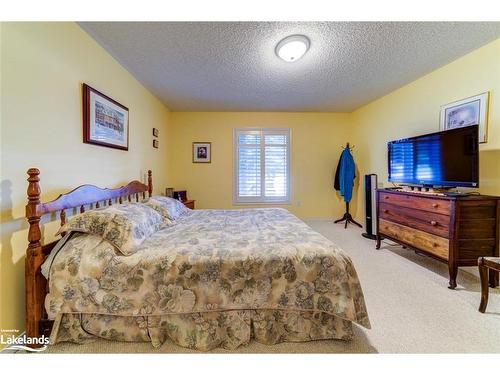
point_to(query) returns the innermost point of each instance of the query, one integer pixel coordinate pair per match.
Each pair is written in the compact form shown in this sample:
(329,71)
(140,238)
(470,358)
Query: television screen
(447,158)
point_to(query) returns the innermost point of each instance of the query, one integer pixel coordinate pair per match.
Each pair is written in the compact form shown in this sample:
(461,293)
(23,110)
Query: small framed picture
(202,152)
(105,121)
(156,143)
(180,195)
(466,112)
(155,132)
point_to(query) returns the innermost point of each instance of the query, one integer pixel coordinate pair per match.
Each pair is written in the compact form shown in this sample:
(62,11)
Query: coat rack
(347,216)
(347,146)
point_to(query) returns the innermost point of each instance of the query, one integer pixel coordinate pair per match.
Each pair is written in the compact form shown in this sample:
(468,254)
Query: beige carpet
(410,307)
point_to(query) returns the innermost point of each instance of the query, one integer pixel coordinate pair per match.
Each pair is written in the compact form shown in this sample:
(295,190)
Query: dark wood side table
(492,266)
(189,203)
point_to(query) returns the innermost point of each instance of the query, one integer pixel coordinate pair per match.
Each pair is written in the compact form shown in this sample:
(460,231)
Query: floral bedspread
(208,261)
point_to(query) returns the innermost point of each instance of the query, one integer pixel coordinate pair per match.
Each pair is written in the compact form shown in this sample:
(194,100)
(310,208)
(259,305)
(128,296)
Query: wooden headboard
(81,198)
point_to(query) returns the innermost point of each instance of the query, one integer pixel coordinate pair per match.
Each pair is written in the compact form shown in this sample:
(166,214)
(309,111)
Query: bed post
(150,183)
(35,285)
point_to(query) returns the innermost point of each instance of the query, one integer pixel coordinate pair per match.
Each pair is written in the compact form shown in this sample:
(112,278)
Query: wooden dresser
(453,229)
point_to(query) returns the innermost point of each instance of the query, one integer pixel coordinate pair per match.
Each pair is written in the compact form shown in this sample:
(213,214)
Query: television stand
(439,190)
(429,190)
(453,229)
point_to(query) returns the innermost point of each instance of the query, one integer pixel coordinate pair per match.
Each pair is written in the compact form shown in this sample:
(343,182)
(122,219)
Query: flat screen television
(446,159)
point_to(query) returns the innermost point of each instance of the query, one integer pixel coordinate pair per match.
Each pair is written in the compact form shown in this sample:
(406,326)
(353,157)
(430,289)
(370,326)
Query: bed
(210,278)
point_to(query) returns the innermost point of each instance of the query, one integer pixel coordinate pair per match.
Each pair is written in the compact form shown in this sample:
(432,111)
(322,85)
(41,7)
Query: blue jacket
(346,174)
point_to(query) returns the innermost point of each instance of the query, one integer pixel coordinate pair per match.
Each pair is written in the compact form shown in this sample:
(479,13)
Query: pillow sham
(125,226)
(169,208)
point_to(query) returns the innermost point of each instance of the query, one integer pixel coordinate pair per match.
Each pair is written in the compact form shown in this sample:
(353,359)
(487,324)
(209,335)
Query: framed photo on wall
(202,152)
(466,112)
(105,121)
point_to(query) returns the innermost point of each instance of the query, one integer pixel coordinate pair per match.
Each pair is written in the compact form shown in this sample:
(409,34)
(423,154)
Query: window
(262,165)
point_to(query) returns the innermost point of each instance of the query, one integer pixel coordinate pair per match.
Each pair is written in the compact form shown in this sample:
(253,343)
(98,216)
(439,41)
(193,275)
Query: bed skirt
(204,331)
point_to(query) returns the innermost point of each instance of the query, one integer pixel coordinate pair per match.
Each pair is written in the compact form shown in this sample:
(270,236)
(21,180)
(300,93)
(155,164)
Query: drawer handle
(435,205)
(435,244)
(386,211)
(434,223)
(386,197)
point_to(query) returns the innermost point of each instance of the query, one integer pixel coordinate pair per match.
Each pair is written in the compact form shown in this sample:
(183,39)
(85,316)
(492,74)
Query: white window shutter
(262,165)
(249,172)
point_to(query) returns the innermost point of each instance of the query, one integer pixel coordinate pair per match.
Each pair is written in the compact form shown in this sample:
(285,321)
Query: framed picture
(180,195)
(202,152)
(169,192)
(466,112)
(105,121)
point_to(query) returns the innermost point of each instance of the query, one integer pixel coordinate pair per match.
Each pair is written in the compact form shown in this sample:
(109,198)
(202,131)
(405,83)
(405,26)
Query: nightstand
(189,203)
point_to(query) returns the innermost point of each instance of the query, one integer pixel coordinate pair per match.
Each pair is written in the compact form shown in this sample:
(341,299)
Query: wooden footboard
(81,198)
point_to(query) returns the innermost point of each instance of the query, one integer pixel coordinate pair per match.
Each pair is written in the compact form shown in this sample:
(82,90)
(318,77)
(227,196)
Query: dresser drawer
(431,243)
(440,206)
(430,222)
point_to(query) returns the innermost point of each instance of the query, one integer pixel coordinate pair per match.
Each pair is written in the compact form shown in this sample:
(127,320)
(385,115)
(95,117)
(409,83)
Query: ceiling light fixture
(293,47)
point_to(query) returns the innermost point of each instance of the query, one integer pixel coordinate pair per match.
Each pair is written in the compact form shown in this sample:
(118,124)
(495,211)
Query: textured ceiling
(220,66)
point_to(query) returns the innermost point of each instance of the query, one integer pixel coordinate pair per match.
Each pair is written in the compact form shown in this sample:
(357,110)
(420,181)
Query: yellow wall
(44,64)
(414,109)
(42,68)
(316,138)
(316,146)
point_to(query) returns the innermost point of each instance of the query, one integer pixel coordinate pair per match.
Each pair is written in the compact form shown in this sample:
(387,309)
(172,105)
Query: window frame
(237,200)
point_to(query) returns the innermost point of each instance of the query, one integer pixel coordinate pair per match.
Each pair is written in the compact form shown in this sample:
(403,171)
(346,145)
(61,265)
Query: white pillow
(169,208)
(125,226)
